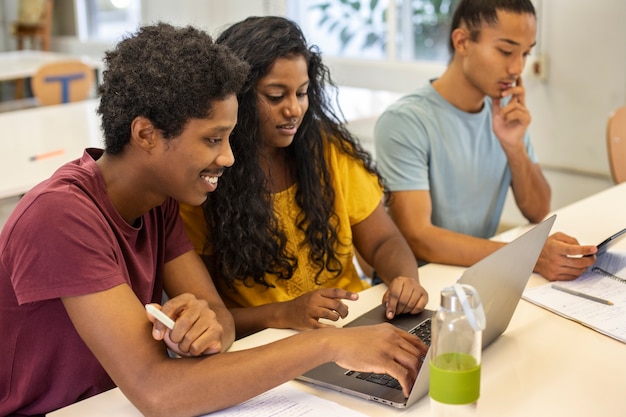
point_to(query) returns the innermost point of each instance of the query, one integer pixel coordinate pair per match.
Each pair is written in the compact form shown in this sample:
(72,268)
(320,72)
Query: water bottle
(456,353)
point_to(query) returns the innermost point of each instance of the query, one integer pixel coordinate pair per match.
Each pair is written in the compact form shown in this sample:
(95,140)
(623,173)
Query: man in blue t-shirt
(450,151)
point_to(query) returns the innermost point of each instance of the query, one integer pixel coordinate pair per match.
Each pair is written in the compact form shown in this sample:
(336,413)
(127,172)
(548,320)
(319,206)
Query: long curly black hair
(245,241)
(168,75)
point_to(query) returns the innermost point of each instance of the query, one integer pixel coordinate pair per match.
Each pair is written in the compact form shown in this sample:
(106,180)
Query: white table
(543,365)
(23,64)
(57,134)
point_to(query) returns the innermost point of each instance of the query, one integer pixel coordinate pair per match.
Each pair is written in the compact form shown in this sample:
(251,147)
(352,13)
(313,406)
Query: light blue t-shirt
(425,143)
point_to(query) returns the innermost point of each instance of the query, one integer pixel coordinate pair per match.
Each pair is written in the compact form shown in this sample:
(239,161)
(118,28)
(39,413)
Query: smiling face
(494,61)
(282,101)
(191,163)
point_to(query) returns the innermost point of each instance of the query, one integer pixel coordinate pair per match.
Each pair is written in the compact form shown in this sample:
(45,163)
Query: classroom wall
(8,9)
(586,49)
(210,15)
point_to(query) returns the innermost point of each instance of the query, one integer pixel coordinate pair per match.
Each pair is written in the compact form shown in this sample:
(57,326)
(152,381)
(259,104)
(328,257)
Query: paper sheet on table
(287,401)
(607,319)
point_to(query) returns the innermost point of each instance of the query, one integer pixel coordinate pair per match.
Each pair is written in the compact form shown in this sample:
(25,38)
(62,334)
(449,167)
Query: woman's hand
(404,295)
(304,312)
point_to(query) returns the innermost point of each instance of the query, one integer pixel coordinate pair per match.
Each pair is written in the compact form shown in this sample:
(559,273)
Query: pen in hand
(160,316)
(582,295)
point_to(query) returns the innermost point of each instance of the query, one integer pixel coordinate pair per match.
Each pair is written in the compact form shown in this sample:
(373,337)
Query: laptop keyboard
(422,331)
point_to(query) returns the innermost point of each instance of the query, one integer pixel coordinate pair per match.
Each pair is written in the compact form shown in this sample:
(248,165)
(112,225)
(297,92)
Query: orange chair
(616,144)
(62,82)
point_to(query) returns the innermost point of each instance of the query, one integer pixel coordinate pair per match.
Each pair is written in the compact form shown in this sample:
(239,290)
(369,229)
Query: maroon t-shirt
(65,238)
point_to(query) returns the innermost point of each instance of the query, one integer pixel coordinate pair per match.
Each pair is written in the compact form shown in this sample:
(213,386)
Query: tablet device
(606,243)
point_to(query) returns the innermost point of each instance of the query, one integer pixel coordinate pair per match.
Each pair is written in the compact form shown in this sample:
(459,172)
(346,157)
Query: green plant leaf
(370,40)
(345,37)
(322,6)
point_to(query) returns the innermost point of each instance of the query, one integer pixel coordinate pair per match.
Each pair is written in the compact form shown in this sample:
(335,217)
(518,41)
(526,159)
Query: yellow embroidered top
(357,194)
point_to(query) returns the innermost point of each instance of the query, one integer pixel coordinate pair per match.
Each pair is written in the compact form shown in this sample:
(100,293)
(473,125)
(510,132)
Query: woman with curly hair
(280,233)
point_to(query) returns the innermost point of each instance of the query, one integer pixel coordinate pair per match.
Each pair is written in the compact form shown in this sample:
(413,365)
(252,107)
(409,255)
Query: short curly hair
(168,75)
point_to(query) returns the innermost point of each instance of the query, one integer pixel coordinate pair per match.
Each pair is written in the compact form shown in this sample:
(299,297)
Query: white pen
(160,316)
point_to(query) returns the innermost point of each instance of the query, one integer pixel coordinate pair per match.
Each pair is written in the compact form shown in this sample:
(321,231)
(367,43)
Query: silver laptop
(500,279)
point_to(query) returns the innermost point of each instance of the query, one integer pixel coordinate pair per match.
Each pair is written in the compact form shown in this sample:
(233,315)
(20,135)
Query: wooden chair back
(63,82)
(616,144)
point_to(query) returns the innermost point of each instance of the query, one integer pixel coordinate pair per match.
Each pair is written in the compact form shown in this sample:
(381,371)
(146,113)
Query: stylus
(160,316)
(582,295)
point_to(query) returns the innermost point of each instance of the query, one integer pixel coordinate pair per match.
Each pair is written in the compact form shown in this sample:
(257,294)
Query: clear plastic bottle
(456,353)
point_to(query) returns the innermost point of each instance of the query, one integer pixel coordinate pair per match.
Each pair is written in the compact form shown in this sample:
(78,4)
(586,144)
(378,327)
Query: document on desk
(596,299)
(287,401)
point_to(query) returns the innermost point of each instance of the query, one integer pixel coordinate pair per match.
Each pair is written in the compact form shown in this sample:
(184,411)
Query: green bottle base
(454,378)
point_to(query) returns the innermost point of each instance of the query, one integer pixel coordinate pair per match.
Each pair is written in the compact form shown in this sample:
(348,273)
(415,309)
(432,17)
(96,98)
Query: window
(397,30)
(107,20)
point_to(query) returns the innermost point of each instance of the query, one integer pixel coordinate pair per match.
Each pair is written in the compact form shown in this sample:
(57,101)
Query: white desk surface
(543,365)
(24,63)
(69,128)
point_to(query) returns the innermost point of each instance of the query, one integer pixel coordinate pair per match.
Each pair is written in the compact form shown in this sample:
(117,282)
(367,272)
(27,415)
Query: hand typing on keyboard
(395,353)
(422,331)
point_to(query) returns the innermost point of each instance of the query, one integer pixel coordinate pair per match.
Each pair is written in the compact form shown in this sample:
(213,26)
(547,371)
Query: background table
(23,64)
(57,134)
(543,365)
